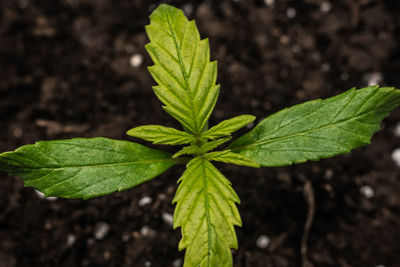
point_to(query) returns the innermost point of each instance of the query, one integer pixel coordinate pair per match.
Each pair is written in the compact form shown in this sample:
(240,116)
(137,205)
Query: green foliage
(318,129)
(202,149)
(205,201)
(226,127)
(186,78)
(84,167)
(228,156)
(206,212)
(161,135)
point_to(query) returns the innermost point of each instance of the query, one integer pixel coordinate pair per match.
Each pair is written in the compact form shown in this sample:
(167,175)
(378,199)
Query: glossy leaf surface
(84,168)
(186,78)
(206,212)
(318,129)
(228,156)
(226,127)
(161,135)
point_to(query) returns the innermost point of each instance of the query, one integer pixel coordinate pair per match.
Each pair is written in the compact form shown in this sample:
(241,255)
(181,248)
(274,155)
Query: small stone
(167,218)
(325,7)
(145,201)
(396,156)
(296,48)
(101,230)
(162,196)
(397,130)
(71,240)
(250,125)
(328,174)
(373,78)
(345,76)
(269,2)
(147,264)
(291,12)
(90,241)
(41,196)
(284,39)
(325,67)
(263,241)
(367,191)
(17,132)
(48,225)
(125,237)
(146,231)
(187,9)
(177,262)
(136,60)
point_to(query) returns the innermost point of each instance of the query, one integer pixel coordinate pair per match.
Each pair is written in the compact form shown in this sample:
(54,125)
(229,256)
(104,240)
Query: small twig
(308,194)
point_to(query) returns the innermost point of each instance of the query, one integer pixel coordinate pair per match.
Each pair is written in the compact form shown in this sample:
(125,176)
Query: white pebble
(167,218)
(177,262)
(263,241)
(147,264)
(101,230)
(325,7)
(188,9)
(71,240)
(397,130)
(41,196)
(291,12)
(373,78)
(325,67)
(147,231)
(269,2)
(145,201)
(136,60)
(125,237)
(162,196)
(396,156)
(380,265)
(345,76)
(250,125)
(17,132)
(367,191)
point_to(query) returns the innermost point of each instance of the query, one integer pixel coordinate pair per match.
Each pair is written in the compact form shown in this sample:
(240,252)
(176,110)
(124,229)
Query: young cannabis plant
(205,202)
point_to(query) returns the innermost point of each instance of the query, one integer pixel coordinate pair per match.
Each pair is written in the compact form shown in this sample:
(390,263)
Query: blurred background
(77,68)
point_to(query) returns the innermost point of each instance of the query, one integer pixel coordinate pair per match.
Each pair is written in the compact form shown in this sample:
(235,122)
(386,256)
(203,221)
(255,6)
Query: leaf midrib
(104,165)
(178,49)
(207,212)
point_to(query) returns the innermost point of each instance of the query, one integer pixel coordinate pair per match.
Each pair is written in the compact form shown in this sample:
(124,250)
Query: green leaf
(186,78)
(207,213)
(228,156)
(227,127)
(161,135)
(204,148)
(318,129)
(84,168)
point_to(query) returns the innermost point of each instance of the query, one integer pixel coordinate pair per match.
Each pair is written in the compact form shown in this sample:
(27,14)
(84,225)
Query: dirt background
(69,68)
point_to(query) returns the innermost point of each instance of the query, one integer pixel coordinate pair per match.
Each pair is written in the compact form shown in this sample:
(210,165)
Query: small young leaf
(318,129)
(84,167)
(227,127)
(204,148)
(161,135)
(207,213)
(227,156)
(186,78)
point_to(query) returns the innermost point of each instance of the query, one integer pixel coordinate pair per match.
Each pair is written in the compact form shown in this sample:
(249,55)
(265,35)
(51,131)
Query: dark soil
(65,72)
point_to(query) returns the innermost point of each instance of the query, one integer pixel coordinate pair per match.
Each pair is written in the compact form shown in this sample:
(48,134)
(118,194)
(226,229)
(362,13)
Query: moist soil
(71,68)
